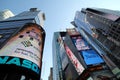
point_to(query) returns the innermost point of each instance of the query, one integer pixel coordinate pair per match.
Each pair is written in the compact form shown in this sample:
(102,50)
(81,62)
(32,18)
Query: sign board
(72,32)
(78,66)
(19,62)
(80,43)
(91,57)
(26,44)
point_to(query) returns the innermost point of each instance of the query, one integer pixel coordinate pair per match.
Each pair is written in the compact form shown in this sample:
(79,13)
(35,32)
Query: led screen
(91,57)
(80,43)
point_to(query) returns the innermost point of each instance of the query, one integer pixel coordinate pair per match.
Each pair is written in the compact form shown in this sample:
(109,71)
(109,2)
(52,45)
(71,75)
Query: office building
(21,46)
(75,58)
(57,66)
(96,26)
(51,74)
(104,25)
(5,14)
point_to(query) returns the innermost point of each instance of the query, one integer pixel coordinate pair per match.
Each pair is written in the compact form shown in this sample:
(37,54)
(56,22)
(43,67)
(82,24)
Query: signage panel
(20,62)
(72,32)
(80,43)
(91,57)
(78,66)
(26,44)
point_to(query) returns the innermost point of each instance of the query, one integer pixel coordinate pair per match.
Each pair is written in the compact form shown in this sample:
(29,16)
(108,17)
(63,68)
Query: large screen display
(80,43)
(26,44)
(91,57)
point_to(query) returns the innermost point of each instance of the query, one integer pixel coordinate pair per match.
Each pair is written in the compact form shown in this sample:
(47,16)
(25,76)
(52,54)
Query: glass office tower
(57,66)
(21,46)
(74,58)
(100,27)
(63,68)
(5,14)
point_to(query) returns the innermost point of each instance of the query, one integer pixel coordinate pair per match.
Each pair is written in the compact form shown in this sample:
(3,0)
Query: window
(1,36)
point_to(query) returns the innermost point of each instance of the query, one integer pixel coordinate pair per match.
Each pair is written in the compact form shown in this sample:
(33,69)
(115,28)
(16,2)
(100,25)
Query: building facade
(5,14)
(110,28)
(57,66)
(74,58)
(51,74)
(21,46)
(96,25)
(104,25)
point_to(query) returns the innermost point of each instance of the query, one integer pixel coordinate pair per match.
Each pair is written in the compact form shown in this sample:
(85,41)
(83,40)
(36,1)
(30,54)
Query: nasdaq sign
(19,62)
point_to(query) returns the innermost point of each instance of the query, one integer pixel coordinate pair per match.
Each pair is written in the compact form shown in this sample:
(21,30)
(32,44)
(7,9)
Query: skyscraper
(101,28)
(51,74)
(5,14)
(57,66)
(75,58)
(21,43)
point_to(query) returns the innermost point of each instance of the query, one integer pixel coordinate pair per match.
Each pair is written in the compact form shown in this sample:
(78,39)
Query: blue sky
(59,14)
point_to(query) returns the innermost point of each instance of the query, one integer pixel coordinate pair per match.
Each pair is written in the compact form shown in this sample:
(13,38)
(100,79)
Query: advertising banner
(72,31)
(80,43)
(91,57)
(26,44)
(78,66)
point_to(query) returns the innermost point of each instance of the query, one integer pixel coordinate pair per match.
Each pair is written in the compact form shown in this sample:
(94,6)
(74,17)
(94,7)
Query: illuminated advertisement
(80,43)
(72,31)
(78,66)
(91,57)
(27,44)
(20,62)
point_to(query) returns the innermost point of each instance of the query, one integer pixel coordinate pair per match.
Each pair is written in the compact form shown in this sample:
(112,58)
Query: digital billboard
(72,31)
(24,48)
(91,57)
(78,66)
(80,43)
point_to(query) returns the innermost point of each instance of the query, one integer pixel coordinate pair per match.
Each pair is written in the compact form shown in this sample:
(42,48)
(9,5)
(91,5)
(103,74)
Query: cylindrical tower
(21,56)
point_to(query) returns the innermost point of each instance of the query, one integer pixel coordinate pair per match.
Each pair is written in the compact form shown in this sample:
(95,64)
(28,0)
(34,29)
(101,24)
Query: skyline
(58,14)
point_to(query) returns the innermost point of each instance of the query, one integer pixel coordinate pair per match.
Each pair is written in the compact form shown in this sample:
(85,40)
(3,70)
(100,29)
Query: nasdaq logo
(19,62)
